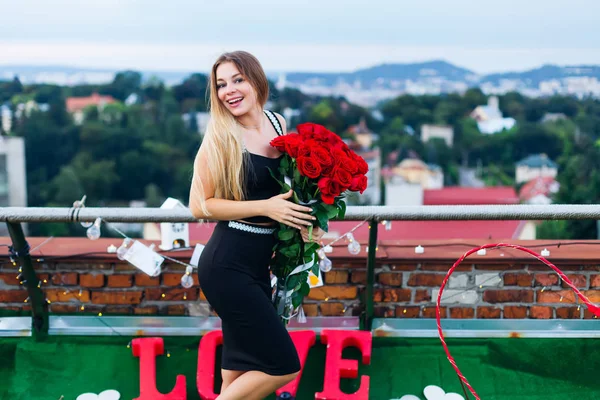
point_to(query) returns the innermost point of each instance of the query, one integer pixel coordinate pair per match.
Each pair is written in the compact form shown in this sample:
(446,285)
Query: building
(5,119)
(412,170)
(534,166)
(13,179)
(77,105)
(490,119)
(446,133)
(456,195)
(539,190)
(362,142)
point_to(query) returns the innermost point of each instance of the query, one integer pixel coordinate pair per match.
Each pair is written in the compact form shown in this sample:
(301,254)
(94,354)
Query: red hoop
(593,308)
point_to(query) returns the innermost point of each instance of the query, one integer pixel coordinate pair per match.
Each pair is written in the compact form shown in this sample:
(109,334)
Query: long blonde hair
(223,143)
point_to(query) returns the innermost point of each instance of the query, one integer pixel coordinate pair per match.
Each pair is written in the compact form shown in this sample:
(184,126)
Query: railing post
(39,306)
(370,274)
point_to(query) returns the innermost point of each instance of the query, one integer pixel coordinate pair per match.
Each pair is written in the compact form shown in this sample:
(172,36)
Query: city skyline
(333,36)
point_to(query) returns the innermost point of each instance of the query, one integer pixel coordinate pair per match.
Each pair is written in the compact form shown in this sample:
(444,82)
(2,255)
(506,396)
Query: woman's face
(234,90)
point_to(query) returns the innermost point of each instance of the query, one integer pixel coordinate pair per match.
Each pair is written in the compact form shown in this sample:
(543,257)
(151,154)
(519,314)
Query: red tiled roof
(79,103)
(407,230)
(456,195)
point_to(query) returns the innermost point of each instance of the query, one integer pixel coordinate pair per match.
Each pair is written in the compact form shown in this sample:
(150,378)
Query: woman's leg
(255,385)
(228,377)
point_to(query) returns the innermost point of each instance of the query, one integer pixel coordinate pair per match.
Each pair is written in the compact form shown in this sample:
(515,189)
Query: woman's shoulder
(280,119)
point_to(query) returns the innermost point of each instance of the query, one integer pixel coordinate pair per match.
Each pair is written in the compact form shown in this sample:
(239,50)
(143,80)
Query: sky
(300,35)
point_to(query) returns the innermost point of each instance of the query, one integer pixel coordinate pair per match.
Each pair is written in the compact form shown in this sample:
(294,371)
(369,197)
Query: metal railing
(14,216)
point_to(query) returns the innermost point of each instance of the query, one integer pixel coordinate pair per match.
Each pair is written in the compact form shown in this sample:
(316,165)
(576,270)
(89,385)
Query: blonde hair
(222,143)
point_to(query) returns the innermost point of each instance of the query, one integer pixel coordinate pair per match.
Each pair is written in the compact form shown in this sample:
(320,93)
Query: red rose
(307,147)
(322,156)
(359,184)
(342,177)
(279,143)
(311,130)
(308,167)
(329,187)
(351,166)
(327,199)
(363,167)
(292,144)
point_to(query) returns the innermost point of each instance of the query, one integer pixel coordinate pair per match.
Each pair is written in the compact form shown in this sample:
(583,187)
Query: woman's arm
(277,207)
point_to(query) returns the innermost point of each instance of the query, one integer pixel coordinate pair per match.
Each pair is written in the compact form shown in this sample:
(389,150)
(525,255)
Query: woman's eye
(238,80)
(220,85)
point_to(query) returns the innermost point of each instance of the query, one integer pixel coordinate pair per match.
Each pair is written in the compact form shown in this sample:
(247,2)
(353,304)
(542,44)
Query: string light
(122,250)
(481,252)
(419,249)
(545,253)
(186,280)
(325,263)
(93,232)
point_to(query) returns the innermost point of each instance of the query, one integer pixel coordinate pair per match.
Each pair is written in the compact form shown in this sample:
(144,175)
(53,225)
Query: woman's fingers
(298,207)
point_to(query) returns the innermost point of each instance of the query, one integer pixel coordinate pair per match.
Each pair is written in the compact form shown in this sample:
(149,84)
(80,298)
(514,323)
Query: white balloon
(87,396)
(433,392)
(109,395)
(453,396)
(409,397)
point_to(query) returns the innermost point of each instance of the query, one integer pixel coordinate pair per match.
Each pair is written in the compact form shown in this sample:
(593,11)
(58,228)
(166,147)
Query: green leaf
(332,211)
(342,207)
(297,177)
(285,234)
(322,219)
(315,269)
(304,289)
(285,163)
(293,281)
(297,299)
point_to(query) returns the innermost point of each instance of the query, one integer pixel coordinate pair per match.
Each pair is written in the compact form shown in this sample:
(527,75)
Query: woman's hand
(282,210)
(317,234)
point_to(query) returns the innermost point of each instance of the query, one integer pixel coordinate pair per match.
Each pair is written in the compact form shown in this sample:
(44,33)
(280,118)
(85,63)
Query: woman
(232,184)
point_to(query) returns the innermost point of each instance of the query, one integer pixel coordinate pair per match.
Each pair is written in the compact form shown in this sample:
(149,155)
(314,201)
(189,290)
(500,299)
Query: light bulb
(86,224)
(350,237)
(187,281)
(123,249)
(545,253)
(419,249)
(93,232)
(325,264)
(354,247)
(481,252)
(388,225)
(321,254)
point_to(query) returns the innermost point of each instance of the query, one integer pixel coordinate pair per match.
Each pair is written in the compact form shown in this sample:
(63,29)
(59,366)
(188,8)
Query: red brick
(10,278)
(546,279)
(556,296)
(383,312)
(446,267)
(310,310)
(587,314)
(146,280)
(92,266)
(333,292)
(148,310)
(171,294)
(120,297)
(390,278)
(592,295)
(407,312)
(25,308)
(488,312)
(568,313)
(176,309)
(499,267)
(120,281)
(595,281)
(508,296)
(563,267)
(523,280)
(403,267)
(91,280)
(461,312)
(418,279)
(65,279)
(13,296)
(540,312)
(391,295)
(174,279)
(63,308)
(329,309)
(580,281)
(591,268)
(336,276)
(515,312)
(422,295)
(125,268)
(122,310)
(429,312)
(64,295)
(359,277)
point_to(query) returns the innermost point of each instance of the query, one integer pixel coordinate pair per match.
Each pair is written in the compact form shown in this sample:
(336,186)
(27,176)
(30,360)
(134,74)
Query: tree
(124,84)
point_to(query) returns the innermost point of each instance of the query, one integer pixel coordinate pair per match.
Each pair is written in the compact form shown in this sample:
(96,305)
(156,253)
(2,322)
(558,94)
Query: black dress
(233,272)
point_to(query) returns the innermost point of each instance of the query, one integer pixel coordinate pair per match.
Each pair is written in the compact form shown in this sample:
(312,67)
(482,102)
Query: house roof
(456,195)
(542,185)
(79,103)
(537,161)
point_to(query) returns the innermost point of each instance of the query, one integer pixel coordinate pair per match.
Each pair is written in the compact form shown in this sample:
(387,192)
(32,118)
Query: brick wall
(406,286)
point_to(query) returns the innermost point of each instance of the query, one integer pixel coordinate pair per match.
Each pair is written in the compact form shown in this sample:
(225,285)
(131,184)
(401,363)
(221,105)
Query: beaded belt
(251,228)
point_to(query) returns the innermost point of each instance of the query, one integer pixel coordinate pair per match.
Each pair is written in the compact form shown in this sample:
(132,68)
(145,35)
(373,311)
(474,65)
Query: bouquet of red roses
(320,168)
